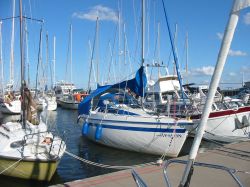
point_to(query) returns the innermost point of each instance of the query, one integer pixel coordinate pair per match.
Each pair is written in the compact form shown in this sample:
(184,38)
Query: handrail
(138,180)
(219,167)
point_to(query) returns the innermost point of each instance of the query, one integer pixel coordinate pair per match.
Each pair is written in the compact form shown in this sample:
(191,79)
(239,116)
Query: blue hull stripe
(168,130)
(143,123)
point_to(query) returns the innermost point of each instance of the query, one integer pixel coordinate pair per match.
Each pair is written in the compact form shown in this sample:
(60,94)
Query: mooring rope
(11,165)
(105,165)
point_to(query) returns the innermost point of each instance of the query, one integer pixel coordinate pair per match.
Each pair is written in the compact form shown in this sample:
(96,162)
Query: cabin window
(221,106)
(205,91)
(170,95)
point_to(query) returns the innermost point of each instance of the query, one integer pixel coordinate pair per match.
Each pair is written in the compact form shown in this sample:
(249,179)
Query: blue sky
(204,21)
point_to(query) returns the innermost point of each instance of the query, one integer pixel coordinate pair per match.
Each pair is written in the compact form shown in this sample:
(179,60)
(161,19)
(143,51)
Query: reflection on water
(71,169)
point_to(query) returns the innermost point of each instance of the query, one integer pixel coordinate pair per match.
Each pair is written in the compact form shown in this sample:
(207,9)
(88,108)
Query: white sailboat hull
(47,102)
(52,106)
(68,104)
(150,135)
(221,125)
(51,103)
(13,108)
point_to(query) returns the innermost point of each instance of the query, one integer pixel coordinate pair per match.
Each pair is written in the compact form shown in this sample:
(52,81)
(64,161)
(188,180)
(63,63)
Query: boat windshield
(117,99)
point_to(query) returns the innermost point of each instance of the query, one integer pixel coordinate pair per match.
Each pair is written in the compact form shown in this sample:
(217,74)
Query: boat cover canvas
(136,85)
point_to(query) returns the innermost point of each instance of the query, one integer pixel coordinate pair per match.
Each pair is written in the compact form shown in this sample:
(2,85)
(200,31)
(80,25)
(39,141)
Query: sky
(116,40)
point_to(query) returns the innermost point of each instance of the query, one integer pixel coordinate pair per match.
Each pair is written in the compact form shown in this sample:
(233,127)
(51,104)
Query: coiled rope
(105,165)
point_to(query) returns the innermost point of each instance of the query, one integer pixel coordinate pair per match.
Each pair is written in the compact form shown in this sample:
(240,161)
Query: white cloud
(102,12)
(236,53)
(246,18)
(219,35)
(206,70)
(232,74)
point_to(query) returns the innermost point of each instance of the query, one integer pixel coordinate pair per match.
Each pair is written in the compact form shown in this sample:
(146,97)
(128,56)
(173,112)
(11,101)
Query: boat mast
(70,53)
(158,49)
(174,51)
(92,56)
(54,62)
(39,60)
(47,62)
(27,52)
(221,59)
(119,37)
(143,34)
(97,53)
(22,66)
(187,57)
(124,44)
(1,58)
(12,45)
(175,43)
(143,42)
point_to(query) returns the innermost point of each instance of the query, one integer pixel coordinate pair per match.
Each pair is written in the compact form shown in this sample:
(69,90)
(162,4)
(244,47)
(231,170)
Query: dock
(235,156)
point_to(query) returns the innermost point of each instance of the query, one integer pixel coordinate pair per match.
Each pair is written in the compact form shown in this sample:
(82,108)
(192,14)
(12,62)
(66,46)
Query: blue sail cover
(136,85)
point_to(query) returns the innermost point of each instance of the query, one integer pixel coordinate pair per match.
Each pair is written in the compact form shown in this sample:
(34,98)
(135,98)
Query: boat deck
(236,156)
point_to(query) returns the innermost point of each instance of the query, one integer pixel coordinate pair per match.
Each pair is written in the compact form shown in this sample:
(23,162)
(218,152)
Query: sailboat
(27,149)
(46,98)
(229,121)
(113,117)
(10,102)
(71,97)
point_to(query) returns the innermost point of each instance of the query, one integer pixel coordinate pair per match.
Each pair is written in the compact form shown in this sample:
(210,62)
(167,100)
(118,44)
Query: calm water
(71,169)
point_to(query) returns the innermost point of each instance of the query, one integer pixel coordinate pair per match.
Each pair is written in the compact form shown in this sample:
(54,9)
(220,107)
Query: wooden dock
(235,156)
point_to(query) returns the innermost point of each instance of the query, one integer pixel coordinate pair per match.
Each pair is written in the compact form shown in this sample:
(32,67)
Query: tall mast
(54,62)
(187,57)
(119,36)
(70,53)
(158,48)
(27,52)
(47,61)
(39,60)
(92,55)
(173,46)
(143,32)
(221,60)
(22,65)
(12,45)
(1,58)
(124,44)
(97,53)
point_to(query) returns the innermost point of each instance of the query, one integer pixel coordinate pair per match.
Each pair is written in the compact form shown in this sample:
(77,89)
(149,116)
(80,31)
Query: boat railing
(140,183)
(63,139)
(138,180)
(51,132)
(230,171)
